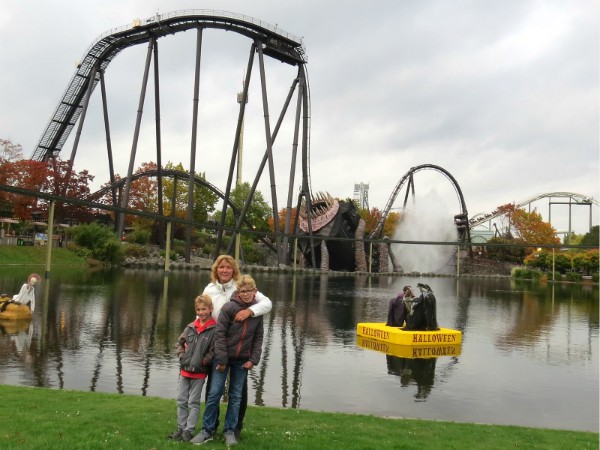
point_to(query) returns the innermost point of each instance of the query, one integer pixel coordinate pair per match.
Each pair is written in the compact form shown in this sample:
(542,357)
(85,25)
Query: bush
(135,251)
(557,276)
(522,273)
(99,241)
(595,277)
(253,256)
(172,255)
(573,276)
(92,235)
(79,251)
(110,251)
(209,250)
(536,275)
(140,236)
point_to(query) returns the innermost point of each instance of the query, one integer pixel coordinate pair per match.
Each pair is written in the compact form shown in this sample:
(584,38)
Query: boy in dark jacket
(195,349)
(238,347)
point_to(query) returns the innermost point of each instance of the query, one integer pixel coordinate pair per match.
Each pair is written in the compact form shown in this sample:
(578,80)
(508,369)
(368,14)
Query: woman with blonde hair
(223,275)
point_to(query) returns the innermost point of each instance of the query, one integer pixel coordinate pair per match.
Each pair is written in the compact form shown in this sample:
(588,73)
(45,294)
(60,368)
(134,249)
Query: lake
(529,354)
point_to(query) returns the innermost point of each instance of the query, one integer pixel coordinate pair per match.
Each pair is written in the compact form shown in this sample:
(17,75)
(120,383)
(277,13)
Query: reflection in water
(413,364)
(20,333)
(420,371)
(116,331)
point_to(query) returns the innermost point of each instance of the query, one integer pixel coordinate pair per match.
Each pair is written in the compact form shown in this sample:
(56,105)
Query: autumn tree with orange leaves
(63,180)
(373,217)
(528,227)
(281,221)
(19,172)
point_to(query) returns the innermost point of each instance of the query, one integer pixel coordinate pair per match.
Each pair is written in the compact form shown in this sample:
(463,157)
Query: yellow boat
(379,331)
(14,311)
(409,351)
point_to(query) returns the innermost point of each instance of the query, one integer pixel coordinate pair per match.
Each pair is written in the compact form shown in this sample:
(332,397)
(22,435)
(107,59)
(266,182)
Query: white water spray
(427,220)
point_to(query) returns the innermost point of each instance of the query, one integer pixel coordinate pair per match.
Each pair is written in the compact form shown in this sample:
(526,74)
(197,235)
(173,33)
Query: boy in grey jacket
(195,349)
(238,348)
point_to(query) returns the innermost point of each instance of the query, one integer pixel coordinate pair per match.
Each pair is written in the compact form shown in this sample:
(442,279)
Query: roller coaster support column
(288,212)
(159,186)
(190,209)
(50,239)
(457,261)
(262,165)
(111,169)
(136,135)
(269,140)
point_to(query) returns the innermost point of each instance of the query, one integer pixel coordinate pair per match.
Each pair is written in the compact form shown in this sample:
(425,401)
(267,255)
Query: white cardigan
(221,293)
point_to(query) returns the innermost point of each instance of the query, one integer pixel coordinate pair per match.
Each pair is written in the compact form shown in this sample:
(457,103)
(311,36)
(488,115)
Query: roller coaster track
(177,175)
(574,199)
(266,40)
(277,44)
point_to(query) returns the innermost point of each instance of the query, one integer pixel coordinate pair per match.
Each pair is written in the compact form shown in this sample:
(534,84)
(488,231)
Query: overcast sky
(503,95)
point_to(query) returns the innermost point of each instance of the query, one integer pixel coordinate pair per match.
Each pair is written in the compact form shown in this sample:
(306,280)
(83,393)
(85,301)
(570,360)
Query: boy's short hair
(203,299)
(245,281)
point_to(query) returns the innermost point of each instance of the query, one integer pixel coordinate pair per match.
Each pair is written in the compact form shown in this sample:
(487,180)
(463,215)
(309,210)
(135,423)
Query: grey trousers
(189,391)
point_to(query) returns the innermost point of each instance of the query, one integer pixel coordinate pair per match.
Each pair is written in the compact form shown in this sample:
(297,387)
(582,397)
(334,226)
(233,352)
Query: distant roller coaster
(460,219)
(574,199)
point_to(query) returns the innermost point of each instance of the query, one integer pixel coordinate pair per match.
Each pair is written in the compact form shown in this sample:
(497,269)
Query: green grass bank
(11,255)
(41,418)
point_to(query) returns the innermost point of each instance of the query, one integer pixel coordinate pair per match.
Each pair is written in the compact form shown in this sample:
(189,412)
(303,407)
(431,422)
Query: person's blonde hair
(205,300)
(245,281)
(232,262)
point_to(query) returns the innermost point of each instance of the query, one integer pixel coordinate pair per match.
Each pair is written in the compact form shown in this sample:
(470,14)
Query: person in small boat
(26,295)
(418,312)
(397,310)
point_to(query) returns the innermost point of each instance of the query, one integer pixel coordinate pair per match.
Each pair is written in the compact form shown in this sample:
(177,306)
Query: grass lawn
(11,255)
(40,418)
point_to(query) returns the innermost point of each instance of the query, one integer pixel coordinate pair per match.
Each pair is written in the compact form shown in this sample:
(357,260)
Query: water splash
(427,220)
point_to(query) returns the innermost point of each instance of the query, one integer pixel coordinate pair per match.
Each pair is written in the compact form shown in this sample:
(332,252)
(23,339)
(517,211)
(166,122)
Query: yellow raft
(409,351)
(394,335)
(14,311)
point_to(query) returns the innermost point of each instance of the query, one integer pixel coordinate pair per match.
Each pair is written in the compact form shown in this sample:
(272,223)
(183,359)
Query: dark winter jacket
(238,340)
(198,354)
(396,312)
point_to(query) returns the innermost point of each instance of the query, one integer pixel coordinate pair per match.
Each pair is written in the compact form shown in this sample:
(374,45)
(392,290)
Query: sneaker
(230,438)
(202,437)
(187,436)
(176,436)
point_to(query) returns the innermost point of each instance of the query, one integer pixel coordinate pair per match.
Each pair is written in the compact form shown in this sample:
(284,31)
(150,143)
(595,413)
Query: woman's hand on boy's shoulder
(243,314)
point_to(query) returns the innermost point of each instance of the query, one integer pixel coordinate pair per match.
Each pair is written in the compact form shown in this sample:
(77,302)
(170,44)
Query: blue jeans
(237,378)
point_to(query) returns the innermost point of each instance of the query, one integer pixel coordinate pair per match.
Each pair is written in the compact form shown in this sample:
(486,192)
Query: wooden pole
(168,247)
(50,239)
